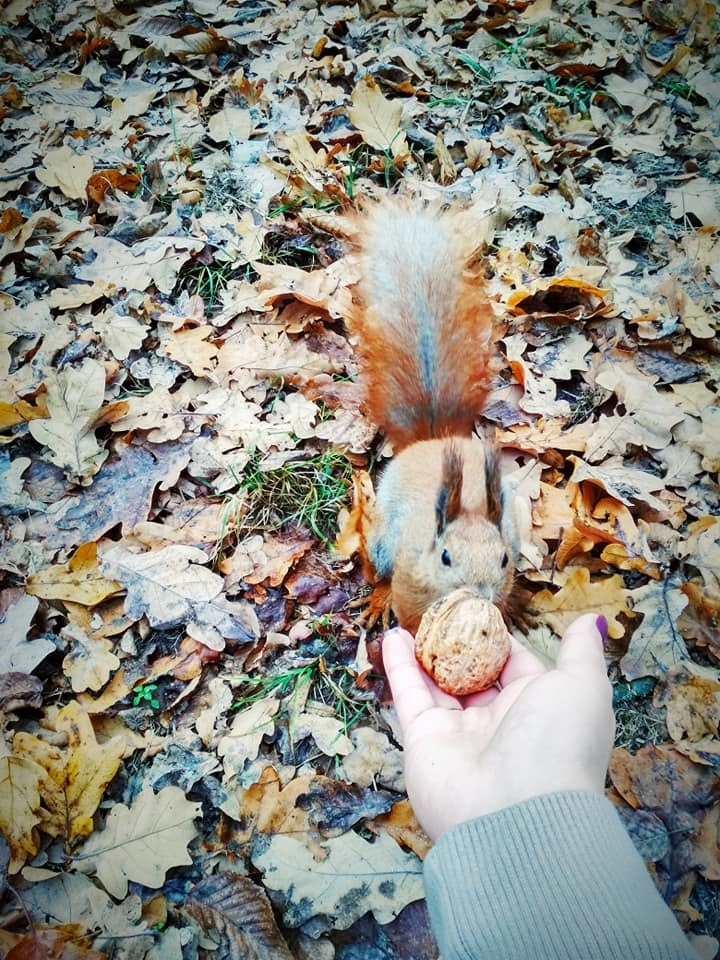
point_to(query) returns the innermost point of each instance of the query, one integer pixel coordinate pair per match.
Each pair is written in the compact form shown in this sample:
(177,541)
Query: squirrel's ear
(447,505)
(492,486)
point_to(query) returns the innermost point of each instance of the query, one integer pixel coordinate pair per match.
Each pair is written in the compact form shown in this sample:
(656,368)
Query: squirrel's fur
(424,328)
(426,335)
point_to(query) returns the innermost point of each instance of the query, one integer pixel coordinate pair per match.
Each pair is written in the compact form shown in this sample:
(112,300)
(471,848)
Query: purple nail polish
(602,627)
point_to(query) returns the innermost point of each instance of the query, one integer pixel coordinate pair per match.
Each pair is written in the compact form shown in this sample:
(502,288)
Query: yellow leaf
(66,170)
(19,804)
(74,778)
(79,582)
(578,596)
(377,118)
(74,398)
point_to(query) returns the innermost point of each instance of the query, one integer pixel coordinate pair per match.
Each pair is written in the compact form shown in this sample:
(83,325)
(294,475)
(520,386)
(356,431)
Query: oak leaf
(377,118)
(172,586)
(20,781)
(242,741)
(353,877)
(402,825)
(142,842)
(691,695)
(656,643)
(67,170)
(74,398)
(90,660)
(74,777)
(17,653)
(80,581)
(580,595)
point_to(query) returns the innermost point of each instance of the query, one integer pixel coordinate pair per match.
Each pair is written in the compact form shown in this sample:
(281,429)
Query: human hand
(539,731)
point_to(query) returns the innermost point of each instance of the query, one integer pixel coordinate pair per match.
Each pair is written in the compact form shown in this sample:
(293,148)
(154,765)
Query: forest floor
(200,758)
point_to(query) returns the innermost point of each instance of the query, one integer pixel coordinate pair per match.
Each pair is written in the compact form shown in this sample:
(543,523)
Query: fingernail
(602,627)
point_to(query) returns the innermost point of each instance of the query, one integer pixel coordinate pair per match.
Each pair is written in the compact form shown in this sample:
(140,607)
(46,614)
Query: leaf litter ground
(197,741)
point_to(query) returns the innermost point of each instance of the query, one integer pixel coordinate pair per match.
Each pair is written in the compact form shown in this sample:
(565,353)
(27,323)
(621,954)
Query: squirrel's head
(466,547)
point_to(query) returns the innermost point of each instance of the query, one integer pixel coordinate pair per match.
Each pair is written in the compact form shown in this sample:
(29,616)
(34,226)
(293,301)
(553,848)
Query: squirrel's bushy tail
(425,330)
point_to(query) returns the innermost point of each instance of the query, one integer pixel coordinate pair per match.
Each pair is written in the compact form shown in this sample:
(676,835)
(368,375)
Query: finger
(413,691)
(522,663)
(581,648)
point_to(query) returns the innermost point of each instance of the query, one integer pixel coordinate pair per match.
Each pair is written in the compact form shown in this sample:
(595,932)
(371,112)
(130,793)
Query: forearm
(555,877)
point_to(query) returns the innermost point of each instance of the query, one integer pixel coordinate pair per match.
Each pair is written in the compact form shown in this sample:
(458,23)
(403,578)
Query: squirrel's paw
(375,606)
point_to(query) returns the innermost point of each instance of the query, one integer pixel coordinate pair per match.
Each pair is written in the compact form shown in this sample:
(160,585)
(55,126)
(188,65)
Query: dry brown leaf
(655,644)
(80,581)
(402,825)
(90,660)
(192,349)
(62,942)
(142,842)
(377,118)
(67,170)
(241,911)
(691,695)
(264,559)
(103,181)
(74,398)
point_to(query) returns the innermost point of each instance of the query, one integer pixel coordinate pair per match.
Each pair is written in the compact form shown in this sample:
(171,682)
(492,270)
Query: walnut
(462,642)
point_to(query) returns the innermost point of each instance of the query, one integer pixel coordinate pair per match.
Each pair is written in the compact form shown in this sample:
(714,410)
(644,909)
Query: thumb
(581,649)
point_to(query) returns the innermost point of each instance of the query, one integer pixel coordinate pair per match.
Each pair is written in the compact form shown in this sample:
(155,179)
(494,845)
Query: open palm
(538,731)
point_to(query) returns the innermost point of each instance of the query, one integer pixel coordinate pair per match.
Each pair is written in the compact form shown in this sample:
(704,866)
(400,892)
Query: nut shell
(462,642)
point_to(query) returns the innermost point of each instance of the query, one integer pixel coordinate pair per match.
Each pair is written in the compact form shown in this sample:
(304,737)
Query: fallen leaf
(74,777)
(656,643)
(20,780)
(17,653)
(67,170)
(691,695)
(355,876)
(241,911)
(90,660)
(74,398)
(142,842)
(377,119)
(580,595)
(172,586)
(79,581)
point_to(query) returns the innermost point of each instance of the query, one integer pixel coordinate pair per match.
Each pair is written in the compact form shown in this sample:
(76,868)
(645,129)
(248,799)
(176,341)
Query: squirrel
(426,337)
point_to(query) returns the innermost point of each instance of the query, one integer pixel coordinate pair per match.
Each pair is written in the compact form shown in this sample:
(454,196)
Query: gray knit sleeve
(554,878)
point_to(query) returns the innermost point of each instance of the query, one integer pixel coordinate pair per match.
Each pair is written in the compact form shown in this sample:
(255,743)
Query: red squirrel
(426,337)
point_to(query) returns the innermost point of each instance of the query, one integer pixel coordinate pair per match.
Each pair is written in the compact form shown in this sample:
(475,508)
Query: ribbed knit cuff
(554,877)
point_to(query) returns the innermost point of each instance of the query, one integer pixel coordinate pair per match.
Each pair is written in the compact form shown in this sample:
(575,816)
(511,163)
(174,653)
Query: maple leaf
(74,778)
(143,841)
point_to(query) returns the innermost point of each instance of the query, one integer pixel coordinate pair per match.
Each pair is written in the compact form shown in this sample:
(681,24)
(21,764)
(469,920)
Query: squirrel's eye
(445,557)
(505,561)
